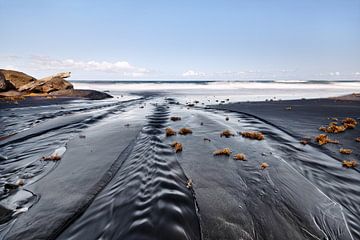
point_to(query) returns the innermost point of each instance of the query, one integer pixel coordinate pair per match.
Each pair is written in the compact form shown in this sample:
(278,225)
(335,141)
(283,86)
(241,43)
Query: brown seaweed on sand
(333,128)
(324,139)
(169,132)
(224,152)
(349,164)
(226,134)
(51,158)
(185,131)
(177,146)
(345,151)
(175,118)
(264,165)
(253,135)
(349,122)
(240,156)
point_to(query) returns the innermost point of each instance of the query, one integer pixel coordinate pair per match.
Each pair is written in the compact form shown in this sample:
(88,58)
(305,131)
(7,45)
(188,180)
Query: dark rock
(17,79)
(88,94)
(5,214)
(10,186)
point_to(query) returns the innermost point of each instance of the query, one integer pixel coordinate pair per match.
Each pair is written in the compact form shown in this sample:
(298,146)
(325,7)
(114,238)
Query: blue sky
(187,39)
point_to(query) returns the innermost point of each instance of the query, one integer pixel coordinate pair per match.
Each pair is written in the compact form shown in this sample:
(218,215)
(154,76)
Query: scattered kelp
(223,152)
(177,146)
(324,139)
(304,141)
(175,118)
(333,127)
(227,134)
(349,164)
(357,139)
(253,135)
(264,165)
(169,132)
(185,131)
(240,156)
(345,151)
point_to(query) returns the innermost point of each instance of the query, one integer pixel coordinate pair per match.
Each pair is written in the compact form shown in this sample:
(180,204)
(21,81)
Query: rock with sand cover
(264,165)
(253,135)
(226,134)
(224,152)
(240,156)
(169,132)
(324,139)
(185,131)
(345,151)
(349,164)
(177,146)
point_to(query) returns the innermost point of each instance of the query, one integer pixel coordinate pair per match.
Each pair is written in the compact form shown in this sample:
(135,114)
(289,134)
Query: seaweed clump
(253,135)
(349,164)
(177,146)
(185,131)
(226,134)
(324,139)
(349,122)
(333,128)
(169,132)
(240,156)
(345,151)
(264,165)
(222,152)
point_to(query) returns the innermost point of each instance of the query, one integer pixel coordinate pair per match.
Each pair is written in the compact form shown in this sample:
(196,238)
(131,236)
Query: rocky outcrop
(5,85)
(17,79)
(17,86)
(47,85)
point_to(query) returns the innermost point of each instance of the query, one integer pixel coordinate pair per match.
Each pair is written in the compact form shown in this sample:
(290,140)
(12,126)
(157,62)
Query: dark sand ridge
(297,197)
(238,200)
(304,120)
(61,198)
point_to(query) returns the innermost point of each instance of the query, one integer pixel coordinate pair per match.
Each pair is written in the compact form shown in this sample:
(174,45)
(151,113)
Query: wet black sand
(120,179)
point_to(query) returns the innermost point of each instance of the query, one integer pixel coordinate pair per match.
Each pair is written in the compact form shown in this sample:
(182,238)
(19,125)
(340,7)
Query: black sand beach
(119,178)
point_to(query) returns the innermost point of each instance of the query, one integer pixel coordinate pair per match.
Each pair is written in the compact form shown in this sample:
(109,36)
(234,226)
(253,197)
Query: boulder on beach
(17,86)
(46,85)
(17,79)
(5,85)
